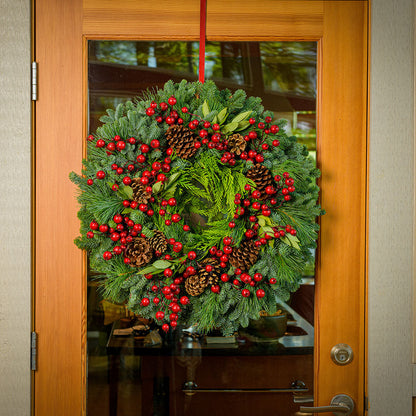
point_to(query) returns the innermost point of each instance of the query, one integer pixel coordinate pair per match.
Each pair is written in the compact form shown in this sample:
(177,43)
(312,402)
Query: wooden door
(62,29)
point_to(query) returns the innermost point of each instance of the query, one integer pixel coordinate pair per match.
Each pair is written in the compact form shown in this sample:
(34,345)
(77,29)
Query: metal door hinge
(33,350)
(34,81)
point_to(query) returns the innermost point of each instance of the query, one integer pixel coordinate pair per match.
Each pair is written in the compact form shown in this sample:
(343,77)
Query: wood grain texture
(342,150)
(266,19)
(58,284)
(131,19)
(341,29)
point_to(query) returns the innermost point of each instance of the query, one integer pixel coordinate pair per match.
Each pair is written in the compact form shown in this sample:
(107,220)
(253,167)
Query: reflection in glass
(132,373)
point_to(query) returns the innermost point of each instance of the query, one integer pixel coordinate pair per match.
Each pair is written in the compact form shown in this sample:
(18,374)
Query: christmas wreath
(196,208)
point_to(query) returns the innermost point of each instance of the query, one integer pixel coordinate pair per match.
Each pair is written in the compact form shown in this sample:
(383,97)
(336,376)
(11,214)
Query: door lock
(342,354)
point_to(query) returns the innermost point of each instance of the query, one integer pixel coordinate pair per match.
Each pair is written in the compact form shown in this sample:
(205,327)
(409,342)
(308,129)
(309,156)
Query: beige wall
(391,207)
(14,207)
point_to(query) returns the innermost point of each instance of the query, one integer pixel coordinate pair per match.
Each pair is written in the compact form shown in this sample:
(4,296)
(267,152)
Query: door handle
(341,405)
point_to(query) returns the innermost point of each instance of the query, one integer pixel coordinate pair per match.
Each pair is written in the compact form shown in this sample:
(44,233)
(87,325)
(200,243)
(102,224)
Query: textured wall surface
(391,208)
(15,281)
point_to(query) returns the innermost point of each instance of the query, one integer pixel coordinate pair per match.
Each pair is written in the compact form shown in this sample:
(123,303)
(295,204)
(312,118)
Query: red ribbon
(202,36)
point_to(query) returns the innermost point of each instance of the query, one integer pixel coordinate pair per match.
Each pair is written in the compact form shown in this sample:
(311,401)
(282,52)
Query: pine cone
(181,139)
(159,242)
(195,284)
(236,144)
(139,251)
(214,275)
(139,191)
(261,177)
(244,256)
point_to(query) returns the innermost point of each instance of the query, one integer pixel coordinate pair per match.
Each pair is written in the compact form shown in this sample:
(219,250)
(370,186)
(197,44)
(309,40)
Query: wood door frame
(342,82)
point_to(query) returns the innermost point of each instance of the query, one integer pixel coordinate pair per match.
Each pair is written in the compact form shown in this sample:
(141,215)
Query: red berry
(107,255)
(268,119)
(258,277)
(190,270)
(208,268)
(150,111)
(90,234)
(225,277)
(264,146)
(192,255)
(176,217)
(231,224)
(100,174)
(177,247)
(172,100)
(260,293)
(121,145)
(132,140)
(144,148)
(141,158)
(117,218)
(161,177)
(184,300)
(203,134)
(145,302)
(103,228)
(274,129)
(117,250)
(252,120)
(287,197)
(111,146)
(260,126)
(172,202)
(252,135)
(126,180)
(275,143)
(227,241)
(245,293)
(90,182)
(186,227)
(100,143)
(155,143)
(160,315)
(228,250)
(94,225)
(115,236)
(215,288)
(272,281)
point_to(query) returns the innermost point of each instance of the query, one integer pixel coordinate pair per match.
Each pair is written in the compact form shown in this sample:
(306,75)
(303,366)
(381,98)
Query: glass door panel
(133,371)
